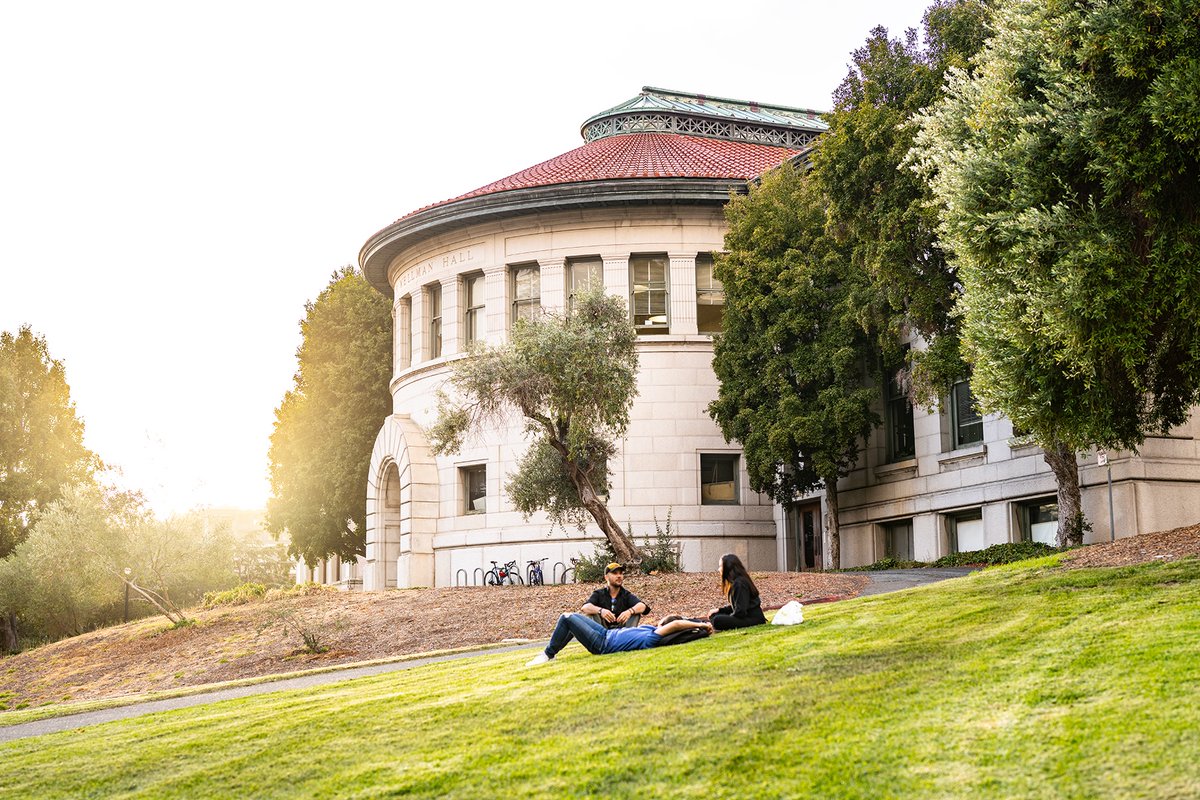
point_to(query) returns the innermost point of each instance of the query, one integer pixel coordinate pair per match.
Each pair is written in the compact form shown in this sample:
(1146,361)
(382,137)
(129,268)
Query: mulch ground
(263,638)
(1162,546)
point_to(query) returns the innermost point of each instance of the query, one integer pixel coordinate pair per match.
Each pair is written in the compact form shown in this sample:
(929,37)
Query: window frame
(1025,507)
(595,265)
(474,313)
(896,400)
(518,303)
(650,329)
(892,527)
(465,472)
(957,439)
(953,519)
(714,288)
(714,459)
(433,304)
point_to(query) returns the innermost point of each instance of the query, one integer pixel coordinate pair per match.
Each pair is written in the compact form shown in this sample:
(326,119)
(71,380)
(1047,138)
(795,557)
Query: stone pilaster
(495,281)
(616,275)
(553,276)
(402,334)
(419,328)
(452,315)
(681,292)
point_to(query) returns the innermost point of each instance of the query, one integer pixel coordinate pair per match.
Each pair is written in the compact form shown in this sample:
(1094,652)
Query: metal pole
(127,602)
(1112,525)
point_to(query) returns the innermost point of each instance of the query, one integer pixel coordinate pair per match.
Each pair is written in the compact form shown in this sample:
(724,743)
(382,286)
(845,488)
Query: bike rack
(554,572)
(570,570)
(462,572)
(479,571)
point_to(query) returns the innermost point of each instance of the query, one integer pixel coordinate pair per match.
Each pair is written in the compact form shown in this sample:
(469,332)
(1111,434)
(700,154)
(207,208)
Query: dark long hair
(732,568)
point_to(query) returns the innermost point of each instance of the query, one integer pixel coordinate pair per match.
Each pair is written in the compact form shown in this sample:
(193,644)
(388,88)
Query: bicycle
(508,574)
(533,573)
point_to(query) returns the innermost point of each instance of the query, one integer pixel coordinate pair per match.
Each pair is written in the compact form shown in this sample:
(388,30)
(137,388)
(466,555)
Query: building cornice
(379,251)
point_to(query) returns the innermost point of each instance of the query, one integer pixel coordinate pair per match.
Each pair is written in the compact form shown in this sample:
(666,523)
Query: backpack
(682,637)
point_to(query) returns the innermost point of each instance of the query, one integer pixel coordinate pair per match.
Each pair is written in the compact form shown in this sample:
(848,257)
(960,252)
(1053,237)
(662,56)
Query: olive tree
(572,378)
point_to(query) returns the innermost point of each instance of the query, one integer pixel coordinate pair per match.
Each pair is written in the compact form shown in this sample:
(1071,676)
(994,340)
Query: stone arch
(402,507)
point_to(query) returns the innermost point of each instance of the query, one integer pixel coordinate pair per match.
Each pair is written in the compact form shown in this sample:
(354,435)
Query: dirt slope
(252,640)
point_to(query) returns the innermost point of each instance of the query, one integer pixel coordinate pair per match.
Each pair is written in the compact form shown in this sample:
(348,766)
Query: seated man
(600,641)
(612,605)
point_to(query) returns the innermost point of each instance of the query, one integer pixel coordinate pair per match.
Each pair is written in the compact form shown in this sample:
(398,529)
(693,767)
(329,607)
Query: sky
(178,179)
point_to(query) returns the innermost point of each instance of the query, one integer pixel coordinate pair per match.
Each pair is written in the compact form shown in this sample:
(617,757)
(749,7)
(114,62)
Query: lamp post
(128,572)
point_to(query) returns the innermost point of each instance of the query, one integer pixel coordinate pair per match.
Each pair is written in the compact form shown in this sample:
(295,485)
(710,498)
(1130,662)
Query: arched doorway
(401,508)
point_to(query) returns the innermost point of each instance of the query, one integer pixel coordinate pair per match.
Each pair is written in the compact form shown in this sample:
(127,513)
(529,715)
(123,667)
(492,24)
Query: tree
(41,438)
(69,575)
(880,210)
(326,425)
(1067,175)
(572,378)
(793,359)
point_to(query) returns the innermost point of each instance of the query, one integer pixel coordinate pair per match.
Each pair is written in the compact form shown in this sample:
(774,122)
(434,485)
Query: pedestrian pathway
(880,582)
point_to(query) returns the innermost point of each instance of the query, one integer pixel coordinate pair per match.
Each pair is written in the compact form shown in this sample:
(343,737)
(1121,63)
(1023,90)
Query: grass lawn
(1022,681)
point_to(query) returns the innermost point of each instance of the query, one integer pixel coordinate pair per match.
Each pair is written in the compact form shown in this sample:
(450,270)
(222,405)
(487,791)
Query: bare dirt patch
(248,641)
(1162,546)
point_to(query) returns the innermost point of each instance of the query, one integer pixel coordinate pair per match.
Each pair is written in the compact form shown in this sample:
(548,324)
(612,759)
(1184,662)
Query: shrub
(661,554)
(997,554)
(887,563)
(238,595)
(590,568)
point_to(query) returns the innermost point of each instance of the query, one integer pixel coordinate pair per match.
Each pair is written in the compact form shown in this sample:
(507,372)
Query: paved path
(881,582)
(56,724)
(893,580)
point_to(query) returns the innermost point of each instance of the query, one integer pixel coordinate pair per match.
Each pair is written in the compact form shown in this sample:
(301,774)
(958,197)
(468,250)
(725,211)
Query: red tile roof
(643,155)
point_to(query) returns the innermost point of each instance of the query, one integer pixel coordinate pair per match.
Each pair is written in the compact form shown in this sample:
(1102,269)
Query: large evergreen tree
(1067,174)
(326,426)
(878,208)
(794,361)
(41,438)
(573,379)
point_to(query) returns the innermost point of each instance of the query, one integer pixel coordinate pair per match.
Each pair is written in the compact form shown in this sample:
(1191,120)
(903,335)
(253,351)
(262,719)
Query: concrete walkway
(881,582)
(893,580)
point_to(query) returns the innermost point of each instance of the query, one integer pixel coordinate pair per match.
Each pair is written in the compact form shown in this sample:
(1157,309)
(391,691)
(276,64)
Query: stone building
(638,210)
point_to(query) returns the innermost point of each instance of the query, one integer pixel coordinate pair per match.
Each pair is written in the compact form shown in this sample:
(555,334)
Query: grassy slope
(1011,683)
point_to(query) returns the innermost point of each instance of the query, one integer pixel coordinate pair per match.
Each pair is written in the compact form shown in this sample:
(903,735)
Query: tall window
(966,424)
(526,292)
(718,479)
(898,540)
(473,323)
(648,293)
(901,440)
(583,274)
(710,296)
(434,298)
(474,484)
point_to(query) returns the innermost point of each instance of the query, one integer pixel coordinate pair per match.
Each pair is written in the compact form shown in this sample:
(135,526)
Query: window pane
(718,478)
(473,316)
(967,421)
(475,488)
(648,296)
(710,297)
(901,438)
(584,274)
(527,293)
(897,540)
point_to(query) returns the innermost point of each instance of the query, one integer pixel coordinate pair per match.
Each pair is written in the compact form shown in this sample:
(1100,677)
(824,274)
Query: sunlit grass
(1020,682)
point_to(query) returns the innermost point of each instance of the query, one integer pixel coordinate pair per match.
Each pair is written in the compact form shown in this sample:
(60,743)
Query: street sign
(1102,458)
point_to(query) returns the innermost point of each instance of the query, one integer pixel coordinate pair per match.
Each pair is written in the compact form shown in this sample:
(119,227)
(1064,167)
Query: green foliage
(41,438)
(589,568)
(879,211)
(661,554)
(793,359)
(67,576)
(311,630)
(326,425)
(1006,553)
(573,379)
(1032,684)
(238,595)
(1066,170)
(887,563)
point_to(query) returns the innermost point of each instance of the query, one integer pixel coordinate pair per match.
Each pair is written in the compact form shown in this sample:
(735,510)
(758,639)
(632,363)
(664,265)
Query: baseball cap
(614,567)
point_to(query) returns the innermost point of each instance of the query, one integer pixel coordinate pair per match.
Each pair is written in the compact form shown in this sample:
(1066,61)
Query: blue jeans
(590,634)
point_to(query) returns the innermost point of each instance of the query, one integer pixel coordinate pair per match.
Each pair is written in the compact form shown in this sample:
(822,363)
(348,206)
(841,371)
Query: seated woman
(744,607)
(600,641)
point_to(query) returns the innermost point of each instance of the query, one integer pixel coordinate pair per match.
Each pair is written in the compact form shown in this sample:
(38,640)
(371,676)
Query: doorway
(806,545)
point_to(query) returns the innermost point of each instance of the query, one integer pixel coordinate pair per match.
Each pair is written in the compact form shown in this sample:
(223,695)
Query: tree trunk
(8,633)
(627,552)
(1063,463)
(831,523)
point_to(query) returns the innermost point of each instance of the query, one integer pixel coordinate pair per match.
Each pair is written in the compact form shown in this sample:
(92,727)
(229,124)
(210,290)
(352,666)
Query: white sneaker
(538,660)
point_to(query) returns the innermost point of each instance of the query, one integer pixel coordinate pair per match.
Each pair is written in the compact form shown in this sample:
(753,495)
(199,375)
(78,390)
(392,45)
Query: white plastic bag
(790,614)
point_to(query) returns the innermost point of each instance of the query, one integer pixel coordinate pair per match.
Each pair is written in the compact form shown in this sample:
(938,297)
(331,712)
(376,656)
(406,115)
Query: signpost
(1102,460)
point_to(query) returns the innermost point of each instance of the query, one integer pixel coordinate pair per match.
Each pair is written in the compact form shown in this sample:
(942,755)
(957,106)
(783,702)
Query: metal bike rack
(554,571)
(479,572)
(462,572)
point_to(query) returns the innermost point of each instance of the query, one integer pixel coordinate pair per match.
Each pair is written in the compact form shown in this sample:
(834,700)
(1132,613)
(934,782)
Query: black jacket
(625,599)
(743,601)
